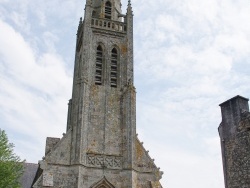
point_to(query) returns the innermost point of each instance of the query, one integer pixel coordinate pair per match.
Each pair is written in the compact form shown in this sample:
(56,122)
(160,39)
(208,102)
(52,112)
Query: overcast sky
(190,56)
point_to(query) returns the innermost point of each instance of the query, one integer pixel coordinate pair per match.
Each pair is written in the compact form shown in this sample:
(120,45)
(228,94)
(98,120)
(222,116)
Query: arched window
(114,68)
(108,10)
(94,13)
(99,65)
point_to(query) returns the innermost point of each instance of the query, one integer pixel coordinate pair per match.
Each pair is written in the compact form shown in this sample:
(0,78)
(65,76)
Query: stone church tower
(100,148)
(234,132)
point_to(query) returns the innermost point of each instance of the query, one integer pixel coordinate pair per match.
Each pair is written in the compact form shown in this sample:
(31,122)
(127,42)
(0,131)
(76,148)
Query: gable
(144,163)
(60,152)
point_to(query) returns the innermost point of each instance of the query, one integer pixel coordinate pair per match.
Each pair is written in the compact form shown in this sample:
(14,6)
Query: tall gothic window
(113,72)
(99,65)
(108,10)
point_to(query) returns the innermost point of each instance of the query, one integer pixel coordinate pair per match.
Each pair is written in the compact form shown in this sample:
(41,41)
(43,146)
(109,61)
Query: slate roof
(29,174)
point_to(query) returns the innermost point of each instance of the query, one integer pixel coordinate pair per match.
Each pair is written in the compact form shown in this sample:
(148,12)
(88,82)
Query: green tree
(11,167)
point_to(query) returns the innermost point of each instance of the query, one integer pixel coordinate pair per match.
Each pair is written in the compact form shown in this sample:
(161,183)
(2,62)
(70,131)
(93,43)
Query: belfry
(100,148)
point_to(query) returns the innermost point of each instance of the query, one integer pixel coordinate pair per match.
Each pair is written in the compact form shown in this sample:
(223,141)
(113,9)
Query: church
(100,148)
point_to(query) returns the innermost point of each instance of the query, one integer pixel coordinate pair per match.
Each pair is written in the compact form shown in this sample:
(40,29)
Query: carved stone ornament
(103,183)
(106,161)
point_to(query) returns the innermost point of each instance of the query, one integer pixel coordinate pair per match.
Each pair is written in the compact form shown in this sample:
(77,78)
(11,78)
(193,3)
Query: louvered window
(114,68)
(99,66)
(108,10)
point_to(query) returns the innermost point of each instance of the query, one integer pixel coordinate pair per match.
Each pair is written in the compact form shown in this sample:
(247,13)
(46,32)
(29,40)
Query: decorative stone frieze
(104,161)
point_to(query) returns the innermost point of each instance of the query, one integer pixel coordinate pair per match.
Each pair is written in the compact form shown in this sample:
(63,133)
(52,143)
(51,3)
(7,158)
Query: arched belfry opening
(114,68)
(99,65)
(108,10)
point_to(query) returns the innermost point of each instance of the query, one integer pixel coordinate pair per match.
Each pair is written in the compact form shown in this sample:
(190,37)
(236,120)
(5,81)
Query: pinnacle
(129,2)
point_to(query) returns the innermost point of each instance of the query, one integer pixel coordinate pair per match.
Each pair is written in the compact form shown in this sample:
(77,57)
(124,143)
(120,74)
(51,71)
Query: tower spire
(129,9)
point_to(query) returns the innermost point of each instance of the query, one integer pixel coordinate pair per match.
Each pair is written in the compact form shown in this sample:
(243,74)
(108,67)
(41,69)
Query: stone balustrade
(109,25)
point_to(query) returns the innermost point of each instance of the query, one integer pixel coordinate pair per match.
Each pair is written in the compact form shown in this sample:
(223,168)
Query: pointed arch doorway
(103,183)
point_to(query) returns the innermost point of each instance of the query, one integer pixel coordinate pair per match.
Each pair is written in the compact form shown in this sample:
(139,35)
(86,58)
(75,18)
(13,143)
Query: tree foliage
(11,167)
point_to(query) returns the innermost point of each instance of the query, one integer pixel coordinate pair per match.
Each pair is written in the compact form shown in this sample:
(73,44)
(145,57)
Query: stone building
(234,133)
(100,148)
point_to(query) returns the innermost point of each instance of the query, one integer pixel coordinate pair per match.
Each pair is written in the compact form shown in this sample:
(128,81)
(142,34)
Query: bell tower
(103,83)
(100,147)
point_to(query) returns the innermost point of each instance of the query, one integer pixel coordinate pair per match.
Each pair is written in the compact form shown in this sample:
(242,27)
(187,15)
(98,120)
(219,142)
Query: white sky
(190,56)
